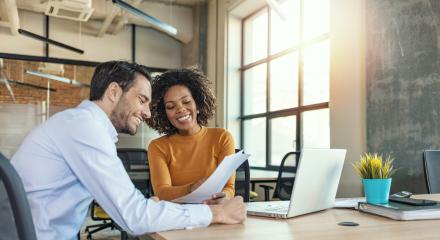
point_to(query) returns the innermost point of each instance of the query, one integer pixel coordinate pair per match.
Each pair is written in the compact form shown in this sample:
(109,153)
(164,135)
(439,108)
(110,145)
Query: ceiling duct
(147,17)
(78,10)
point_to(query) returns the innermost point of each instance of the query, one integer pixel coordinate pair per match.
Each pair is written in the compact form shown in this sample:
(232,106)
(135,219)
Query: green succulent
(373,166)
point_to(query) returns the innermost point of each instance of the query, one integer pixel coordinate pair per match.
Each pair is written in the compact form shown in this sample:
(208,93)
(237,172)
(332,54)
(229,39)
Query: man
(71,159)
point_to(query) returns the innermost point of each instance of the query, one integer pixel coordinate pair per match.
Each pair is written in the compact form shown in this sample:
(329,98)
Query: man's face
(133,107)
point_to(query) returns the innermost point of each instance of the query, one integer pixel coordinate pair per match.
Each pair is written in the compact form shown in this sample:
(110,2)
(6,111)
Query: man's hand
(229,212)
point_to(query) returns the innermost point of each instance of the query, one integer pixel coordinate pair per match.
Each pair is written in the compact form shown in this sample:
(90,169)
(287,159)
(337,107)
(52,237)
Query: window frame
(295,111)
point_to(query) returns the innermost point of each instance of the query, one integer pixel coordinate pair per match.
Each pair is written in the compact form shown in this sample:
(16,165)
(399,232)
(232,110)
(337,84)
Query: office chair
(98,214)
(136,164)
(15,213)
(285,179)
(135,161)
(431,165)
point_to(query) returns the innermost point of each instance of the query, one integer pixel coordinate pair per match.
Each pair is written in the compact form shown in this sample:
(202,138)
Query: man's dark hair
(121,72)
(198,85)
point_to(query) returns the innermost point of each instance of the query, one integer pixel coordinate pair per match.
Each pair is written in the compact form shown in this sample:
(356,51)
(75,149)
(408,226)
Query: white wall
(155,49)
(16,122)
(140,140)
(348,88)
(20,44)
(108,47)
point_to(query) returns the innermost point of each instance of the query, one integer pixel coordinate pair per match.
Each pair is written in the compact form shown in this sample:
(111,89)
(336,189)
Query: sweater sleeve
(160,174)
(227,148)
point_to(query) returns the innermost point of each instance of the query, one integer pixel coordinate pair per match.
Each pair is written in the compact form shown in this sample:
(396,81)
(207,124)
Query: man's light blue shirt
(70,160)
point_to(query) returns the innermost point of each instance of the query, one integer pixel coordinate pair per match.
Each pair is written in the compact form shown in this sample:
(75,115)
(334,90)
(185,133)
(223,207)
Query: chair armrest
(265,186)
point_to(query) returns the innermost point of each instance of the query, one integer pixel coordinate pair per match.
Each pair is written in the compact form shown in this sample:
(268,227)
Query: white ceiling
(112,17)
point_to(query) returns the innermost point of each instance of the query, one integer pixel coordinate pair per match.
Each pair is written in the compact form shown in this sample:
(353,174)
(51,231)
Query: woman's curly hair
(198,85)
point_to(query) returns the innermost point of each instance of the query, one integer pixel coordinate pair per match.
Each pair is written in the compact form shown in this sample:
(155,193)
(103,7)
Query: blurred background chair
(135,162)
(285,179)
(15,213)
(431,165)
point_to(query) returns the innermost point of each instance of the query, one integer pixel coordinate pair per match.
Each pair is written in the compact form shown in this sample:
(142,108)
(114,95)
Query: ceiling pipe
(156,22)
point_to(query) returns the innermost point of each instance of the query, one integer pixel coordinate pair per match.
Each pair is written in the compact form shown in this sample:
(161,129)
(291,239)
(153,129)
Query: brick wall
(64,95)
(19,118)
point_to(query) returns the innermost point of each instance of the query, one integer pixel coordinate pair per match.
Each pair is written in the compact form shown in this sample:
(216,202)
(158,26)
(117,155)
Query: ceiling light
(56,78)
(164,26)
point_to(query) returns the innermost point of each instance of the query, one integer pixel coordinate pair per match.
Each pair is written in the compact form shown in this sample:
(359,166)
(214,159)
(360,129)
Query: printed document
(216,181)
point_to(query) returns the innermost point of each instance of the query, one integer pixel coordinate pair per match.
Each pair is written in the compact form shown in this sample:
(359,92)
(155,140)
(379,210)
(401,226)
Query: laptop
(316,183)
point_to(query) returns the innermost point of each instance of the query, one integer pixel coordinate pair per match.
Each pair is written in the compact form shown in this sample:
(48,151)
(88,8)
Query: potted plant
(375,171)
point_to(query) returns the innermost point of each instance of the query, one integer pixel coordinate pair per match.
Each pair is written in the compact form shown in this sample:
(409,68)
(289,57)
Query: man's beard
(119,119)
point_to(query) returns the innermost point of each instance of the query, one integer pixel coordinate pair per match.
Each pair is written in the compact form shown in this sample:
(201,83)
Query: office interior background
(363,75)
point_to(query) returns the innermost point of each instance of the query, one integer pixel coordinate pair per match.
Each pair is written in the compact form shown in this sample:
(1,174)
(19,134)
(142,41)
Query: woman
(182,103)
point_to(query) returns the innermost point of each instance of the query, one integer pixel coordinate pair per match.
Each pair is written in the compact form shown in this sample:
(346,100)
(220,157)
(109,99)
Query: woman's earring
(198,111)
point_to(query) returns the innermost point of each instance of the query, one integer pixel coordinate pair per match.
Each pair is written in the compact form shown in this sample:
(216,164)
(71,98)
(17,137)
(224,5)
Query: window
(285,67)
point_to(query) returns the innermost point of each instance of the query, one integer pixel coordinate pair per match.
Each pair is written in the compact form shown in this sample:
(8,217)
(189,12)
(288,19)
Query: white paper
(217,181)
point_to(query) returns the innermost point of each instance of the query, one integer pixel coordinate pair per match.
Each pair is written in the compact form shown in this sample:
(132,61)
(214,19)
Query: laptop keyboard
(277,207)
(280,209)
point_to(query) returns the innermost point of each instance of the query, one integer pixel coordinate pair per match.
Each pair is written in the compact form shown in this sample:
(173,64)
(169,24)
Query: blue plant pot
(377,190)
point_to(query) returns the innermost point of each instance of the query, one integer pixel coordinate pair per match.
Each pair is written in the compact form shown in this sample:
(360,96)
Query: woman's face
(181,110)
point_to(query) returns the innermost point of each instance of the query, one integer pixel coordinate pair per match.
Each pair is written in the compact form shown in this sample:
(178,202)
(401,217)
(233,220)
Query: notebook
(400,211)
(316,182)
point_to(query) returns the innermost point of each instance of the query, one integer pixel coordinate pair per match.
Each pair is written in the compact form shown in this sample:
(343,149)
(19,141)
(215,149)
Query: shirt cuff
(199,215)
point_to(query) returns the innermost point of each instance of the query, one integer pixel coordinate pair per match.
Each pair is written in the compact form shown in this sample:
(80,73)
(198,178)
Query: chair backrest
(15,213)
(242,181)
(135,161)
(431,164)
(286,176)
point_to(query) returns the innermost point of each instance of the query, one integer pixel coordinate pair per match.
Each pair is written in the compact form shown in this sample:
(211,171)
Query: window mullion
(300,78)
(242,86)
(268,126)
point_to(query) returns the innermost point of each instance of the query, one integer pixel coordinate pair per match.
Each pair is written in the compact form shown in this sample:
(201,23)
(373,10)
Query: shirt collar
(102,116)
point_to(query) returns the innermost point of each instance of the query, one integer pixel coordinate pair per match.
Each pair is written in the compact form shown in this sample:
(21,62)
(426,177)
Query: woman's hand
(216,198)
(194,186)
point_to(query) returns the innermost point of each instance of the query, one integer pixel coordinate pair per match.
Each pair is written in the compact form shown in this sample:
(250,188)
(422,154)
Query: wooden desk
(321,225)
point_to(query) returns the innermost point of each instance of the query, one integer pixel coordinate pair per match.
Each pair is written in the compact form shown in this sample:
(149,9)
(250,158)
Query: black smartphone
(402,194)
(413,201)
